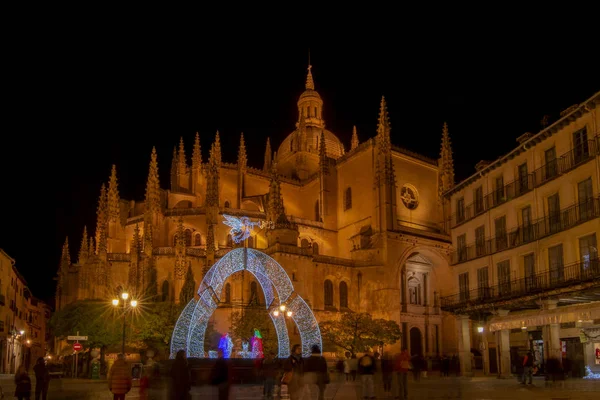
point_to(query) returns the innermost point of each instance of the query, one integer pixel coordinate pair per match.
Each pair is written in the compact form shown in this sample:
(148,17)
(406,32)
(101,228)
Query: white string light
(191,326)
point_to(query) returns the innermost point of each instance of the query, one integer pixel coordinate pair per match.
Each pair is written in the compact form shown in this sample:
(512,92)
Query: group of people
(23,381)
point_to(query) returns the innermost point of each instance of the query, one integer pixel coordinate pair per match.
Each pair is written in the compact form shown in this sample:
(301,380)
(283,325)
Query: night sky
(114,101)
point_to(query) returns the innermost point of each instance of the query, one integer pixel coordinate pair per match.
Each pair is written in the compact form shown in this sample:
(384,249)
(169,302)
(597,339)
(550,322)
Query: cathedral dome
(309,142)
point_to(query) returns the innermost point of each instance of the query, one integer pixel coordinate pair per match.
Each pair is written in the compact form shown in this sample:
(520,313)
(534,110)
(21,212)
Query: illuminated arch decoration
(190,328)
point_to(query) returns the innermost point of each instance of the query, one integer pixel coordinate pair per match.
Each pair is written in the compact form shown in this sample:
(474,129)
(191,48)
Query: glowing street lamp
(126,304)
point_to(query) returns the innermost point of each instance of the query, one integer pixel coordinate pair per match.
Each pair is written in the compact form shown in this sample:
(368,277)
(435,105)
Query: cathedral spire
(242,157)
(174,174)
(65,259)
(275,205)
(383,126)
(268,156)
(180,250)
(310,84)
(215,151)
(354,140)
(152,202)
(446,162)
(197,155)
(114,210)
(84,249)
(323,160)
(101,221)
(181,161)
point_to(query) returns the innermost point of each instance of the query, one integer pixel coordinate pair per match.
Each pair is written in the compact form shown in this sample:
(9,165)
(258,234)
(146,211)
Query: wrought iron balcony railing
(561,165)
(523,234)
(551,279)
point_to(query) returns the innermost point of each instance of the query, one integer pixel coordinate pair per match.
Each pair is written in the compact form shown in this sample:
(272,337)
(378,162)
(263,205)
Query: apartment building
(23,320)
(525,233)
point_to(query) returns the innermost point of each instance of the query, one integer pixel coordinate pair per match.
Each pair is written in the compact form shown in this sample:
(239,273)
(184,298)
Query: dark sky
(113,100)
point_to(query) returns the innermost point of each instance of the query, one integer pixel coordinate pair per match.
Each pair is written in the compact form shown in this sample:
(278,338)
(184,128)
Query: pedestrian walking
(401,368)
(42,379)
(366,370)
(119,379)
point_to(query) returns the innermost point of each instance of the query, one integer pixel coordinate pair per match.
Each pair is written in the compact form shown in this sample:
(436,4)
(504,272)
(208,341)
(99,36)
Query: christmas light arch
(190,328)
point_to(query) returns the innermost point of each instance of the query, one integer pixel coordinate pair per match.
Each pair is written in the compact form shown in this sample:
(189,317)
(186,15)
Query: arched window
(251,242)
(226,204)
(315,248)
(165,291)
(343,295)
(328,292)
(197,240)
(414,291)
(228,293)
(229,241)
(317,211)
(348,199)
(304,243)
(188,237)
(253,292)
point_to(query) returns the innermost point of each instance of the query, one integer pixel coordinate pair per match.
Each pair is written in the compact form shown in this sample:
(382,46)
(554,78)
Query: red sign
(77,346)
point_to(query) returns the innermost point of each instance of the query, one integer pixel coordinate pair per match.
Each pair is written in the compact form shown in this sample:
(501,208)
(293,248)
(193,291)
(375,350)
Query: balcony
(547,172)
(563,279)
(538,229)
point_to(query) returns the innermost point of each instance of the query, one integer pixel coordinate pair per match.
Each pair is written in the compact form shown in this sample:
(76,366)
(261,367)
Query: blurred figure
(180,377)
(387,370)
(119,379)
(401,367)
(220,376)
(353,366)
(527,368)
(23,382)
(347,366)
(294,365)
(269,372)
(42,379)
(144,384)
(366,370)
(316,376)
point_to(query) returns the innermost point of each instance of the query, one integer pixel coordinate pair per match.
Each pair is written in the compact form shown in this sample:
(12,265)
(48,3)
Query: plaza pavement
(477,388)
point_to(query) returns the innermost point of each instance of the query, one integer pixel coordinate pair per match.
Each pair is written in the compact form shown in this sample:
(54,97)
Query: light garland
(590,375)
(191,326)
(226,345)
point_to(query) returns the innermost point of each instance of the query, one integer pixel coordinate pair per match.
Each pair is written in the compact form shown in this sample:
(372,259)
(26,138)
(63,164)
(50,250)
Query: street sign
(77,338)
(77,346)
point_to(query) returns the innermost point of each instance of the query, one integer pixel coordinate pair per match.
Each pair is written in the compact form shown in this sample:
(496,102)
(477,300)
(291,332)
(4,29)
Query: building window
(529,266)
(198,240)
(581,146)
(229,241)
(480,241)
(251,242)
(557,267)
(461,244)
(328,293)
(526,225)
(483,283)
(463,286)
(588,253)
(523,179)
(304,243)
(551,166)
(414,291)
(585,196)
(479,200)
(226,205)
(165,291)
(500,228)
(503,277)
(317,211)
(348,199)
(188,237)
(315,248)
(460,210)
(499,192)
(343,295)
(227,293)
(554,213)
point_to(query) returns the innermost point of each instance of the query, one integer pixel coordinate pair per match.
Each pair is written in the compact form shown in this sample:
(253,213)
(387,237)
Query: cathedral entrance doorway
(190,328)
(416,347)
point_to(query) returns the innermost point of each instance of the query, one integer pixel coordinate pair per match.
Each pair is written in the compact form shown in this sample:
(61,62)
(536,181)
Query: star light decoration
(190,329)
(241,227)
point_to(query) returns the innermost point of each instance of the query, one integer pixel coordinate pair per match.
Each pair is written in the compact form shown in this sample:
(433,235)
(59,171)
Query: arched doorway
(190,328)
(416,343)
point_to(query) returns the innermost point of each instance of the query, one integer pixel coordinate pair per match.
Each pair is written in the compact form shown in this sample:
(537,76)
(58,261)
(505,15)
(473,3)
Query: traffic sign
(77,346)
(77,338)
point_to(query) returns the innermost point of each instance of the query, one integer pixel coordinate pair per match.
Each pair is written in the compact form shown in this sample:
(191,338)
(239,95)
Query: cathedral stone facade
(355,227)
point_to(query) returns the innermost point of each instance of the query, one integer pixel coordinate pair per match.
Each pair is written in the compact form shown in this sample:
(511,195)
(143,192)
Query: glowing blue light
(191,326)
(240,227)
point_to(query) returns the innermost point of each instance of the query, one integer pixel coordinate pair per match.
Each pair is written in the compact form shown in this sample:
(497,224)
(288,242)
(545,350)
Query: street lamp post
(126,304)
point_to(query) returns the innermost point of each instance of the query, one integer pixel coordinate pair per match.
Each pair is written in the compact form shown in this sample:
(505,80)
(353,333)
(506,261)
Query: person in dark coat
(295,364)
(220,376)
(23,382)
(42,379)
(180,377)
(315,373)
